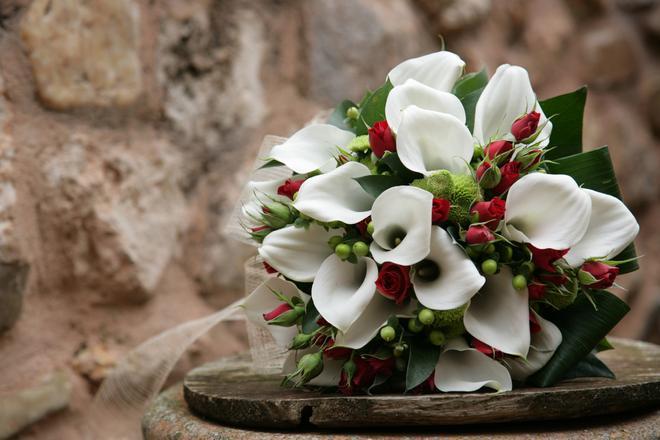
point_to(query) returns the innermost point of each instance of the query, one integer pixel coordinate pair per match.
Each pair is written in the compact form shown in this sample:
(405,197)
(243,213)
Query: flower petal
(297,253)
(544,344)
(546,210)
(311,148)
(330,375)
(461,368)
(402,212)
(259,193)
(336,196)
(262,300)
(428,141)
(439,70)
(611,228)
(415,93)
(499,315)
(342,290)
(459,279)
(507,96)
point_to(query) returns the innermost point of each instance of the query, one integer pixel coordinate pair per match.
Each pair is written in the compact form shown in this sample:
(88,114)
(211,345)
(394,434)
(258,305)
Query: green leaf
(470,82)
(594,170)
(582,327)
(590,366)
(421,363)
(338,116)
(469,102)
(604,345)
(271,164)
(309,320)
(567,112)
(394,164)
(376,184)
(372,108)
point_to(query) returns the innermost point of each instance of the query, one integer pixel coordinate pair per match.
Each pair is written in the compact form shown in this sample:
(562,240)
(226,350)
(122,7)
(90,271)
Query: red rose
(277,311)
(536,290)
(269,269)
(366,371)
(479,234)
(336,353)
(362,226)
(545,258)
(394,282)
(510,173)
(603,273)
(381,138)
(440,210)
(490,212)
(534,326)
(290,187)
(526,126)
(498,148)
(486,349)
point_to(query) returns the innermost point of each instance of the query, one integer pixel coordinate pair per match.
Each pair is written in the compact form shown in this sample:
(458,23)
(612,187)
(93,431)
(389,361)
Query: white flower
(260,193)
(507,96)
(439,70)
(336,196)
(543,345)
(314,147)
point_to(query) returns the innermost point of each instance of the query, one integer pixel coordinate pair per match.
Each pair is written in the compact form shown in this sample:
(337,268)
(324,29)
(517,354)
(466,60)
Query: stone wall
(127,128)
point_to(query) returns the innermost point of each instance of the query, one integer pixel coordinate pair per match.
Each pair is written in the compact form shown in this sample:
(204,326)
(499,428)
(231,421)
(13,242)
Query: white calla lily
(263,300)
(428,141)
(499,315)
(546,210)
(415,93)
(507,96)
(330,375)
(297,253)
(258,194)
(314,147)
(439,70)
(336,196)
(464,369)
(457,278)
(402,225)
(611,228)
(543,346)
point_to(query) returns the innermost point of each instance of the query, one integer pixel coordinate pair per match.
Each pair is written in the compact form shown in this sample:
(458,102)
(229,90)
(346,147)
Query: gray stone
(609,57)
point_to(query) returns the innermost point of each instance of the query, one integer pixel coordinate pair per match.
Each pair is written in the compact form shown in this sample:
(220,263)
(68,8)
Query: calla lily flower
(314,147)
(464,369)
(336,196)
(263,300)
(546,210)
(507,96)
(415,93)
(297,253)
(258,194)
(499,315)
(428,141)
(402,225)
(543,346)
(457,279)
(439,70)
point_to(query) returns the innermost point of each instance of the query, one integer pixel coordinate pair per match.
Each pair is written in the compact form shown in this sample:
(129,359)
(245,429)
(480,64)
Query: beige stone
(84,53)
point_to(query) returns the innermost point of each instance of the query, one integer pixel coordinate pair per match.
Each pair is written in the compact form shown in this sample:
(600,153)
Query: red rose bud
(536,290)
(486,349)
(498,149)
(290,187)
(336,353)
(394,282)
(545,258)
(269,269)
(510,173)
(490,212)
(381,139)
(526,126)
(440,210)
(528,160)
(284,315)
(479,234)
(488,176)
(597,275)
(277,311)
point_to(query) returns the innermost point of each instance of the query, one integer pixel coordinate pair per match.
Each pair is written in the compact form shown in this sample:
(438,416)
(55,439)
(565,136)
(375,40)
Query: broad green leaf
(271,164)
(590,366)
(372,108)
(469,102)
(394,164)
(309,320)
(376,184)
(594,170)
(566,112)
(338,116)
(582,327)
(421,363)
(470,82)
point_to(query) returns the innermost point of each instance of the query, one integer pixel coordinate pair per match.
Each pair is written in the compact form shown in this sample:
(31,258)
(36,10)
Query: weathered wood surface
(227,391)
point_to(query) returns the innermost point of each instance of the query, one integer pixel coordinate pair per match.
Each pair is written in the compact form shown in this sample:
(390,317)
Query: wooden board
(227,391)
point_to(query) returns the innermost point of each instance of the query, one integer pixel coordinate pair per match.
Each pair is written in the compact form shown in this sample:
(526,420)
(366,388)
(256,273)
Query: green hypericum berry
(388,333)
(426,317)
(335,240)
(415,326)
(489,267)
(506,253)
(370,228)
(519,282)
(436,337)
(343,251)
(490,248)
(527,268)
(399,350)
(360,248)
(352,113)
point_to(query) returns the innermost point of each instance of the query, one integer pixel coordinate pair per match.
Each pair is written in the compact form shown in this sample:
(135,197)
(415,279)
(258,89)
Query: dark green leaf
(604,345)
(421,363)
(590,366)
(338,116)
(378,381)
(582,327)
(372,108)
(271,164)
(594,170)
(376,184)
(566,112)
(470,82)
(469,102)
(394,164)
(309,320)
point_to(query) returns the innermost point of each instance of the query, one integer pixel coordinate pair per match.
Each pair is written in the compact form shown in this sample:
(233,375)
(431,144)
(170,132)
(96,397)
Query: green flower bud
(359,144)
(310,366)
(289,318)
(415,326)
(519,282)
(300,341)
(343,251)
(426,316)
(489,267)
(586,278)
(437,338)
(449,317)
(490,177)
(334,241)
(352,113)
(388,333)
(399,350)
(360,248)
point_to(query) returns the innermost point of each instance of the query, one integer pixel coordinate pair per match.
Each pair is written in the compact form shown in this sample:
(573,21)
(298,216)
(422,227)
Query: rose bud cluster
(381,138)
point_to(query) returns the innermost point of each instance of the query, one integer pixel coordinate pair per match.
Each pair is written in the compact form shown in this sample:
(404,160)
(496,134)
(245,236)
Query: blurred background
(128,127)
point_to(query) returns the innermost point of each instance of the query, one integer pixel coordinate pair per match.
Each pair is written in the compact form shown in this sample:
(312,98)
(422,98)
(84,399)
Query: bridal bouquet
(445,233)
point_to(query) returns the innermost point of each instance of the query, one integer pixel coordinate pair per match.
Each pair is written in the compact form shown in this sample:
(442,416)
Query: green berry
(506,253)
(360,248)
(415,326)
(527,268)
(370,228)
(335,240)
(388,333)
(343,251)
(519,282)
(352,113)
(399,350)
(436,337)
(489,267)
(490,248)
(426,317)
